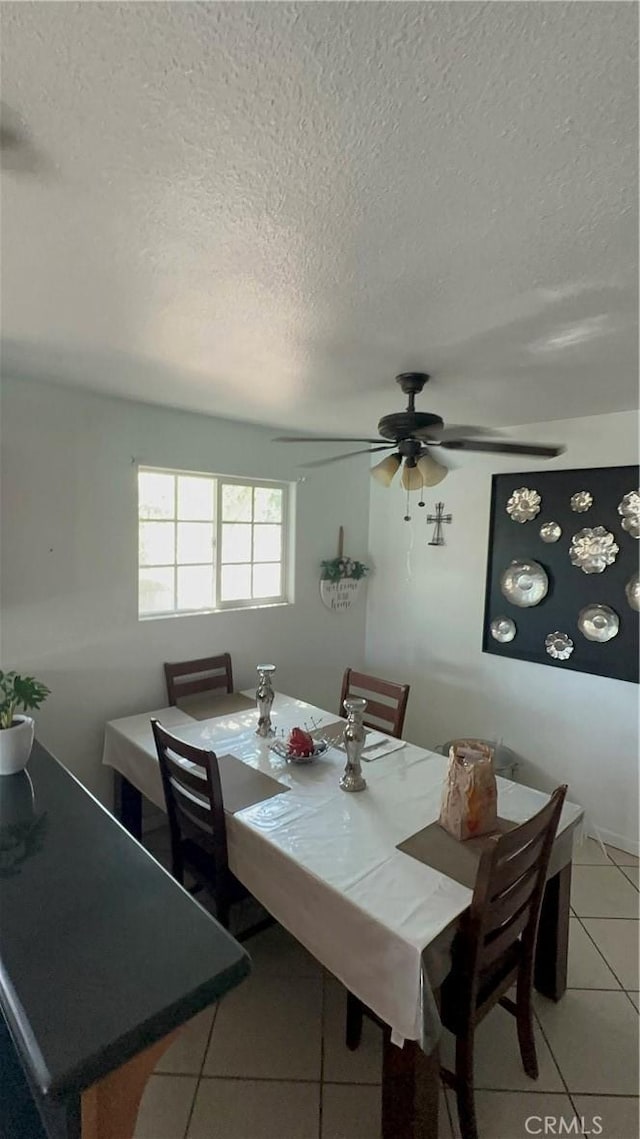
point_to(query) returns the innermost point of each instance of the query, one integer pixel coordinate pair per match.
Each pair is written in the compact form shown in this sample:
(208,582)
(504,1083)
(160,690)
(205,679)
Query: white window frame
(285,597)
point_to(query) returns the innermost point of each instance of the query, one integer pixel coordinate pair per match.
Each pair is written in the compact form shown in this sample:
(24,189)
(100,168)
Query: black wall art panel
(541,605)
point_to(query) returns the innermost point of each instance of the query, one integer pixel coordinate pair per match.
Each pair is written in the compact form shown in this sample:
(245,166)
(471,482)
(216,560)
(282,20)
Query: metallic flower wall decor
(503,629)
(550,531)
(593,549)
(598,623)
(558,645)
(632,592)
(524,504)
(524,584)
(565,591)
(629,508)
(581,501)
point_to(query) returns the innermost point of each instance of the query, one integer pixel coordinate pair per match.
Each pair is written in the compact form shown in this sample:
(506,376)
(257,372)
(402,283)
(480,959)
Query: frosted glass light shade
(431,472)
(383,472)
(411,478)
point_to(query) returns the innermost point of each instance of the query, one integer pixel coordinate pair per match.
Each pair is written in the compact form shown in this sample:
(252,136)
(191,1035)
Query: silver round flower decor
(523,505)
(558,645)
(524,584)
(550,531)
(629,508)
(593,549)
(632,592)
(598,623)
(580,501)
(503,629)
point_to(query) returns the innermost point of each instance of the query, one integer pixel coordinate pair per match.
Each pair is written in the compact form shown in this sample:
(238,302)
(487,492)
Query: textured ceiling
(267,210)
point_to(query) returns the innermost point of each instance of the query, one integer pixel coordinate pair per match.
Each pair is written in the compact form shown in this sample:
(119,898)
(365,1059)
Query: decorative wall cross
(439,517)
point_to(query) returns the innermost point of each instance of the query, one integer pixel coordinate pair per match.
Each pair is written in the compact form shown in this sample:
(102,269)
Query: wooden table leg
(110,1107)
(410,1091)
(553,936)
(128,805)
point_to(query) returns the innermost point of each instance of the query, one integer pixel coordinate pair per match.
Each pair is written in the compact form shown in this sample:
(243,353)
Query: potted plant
(16,731)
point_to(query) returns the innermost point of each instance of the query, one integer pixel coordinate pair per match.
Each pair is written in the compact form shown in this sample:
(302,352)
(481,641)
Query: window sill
(214,612)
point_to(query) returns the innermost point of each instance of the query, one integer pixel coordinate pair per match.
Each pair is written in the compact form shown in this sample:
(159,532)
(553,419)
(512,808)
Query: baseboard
(620,841)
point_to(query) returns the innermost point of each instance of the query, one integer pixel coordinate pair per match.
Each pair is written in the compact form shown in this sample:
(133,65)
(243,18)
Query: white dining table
(325,863)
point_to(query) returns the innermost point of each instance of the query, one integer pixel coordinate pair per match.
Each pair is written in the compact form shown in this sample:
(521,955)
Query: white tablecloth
(324,862)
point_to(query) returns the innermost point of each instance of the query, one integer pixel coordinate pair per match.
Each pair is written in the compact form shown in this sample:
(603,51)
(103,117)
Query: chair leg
(355,1015)
(526,1035)
(177,869)
(464,1086)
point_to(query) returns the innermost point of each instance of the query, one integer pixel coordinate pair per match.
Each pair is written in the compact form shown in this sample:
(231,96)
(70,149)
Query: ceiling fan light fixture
(411,477)
(431,472)
(384,471)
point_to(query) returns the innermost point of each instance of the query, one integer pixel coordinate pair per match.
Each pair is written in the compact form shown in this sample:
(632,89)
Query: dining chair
(493,949)
(382,717)
(197,825)
(187,677)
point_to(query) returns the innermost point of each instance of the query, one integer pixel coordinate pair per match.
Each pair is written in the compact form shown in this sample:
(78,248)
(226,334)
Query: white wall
(69,562)
(424,625)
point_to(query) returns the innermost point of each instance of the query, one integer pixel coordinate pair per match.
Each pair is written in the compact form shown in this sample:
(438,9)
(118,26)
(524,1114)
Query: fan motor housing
(405,424)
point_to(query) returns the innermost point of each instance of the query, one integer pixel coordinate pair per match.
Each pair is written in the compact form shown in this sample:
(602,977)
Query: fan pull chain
(407,516)
(412,534)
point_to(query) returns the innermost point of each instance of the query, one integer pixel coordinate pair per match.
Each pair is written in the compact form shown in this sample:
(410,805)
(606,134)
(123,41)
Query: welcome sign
(341,579)
(339,595)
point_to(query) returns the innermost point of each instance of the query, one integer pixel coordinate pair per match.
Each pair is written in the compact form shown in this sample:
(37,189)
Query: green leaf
(19,692)
(340,569)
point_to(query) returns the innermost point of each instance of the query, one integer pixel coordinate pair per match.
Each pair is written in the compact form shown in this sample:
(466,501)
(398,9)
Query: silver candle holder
(354,735)
(264,699)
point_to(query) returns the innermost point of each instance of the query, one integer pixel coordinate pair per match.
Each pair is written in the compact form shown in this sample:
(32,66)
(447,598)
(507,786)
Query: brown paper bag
(469,797)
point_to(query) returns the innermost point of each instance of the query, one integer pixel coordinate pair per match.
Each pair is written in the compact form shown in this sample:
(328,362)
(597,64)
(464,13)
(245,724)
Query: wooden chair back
(381,716)
(193,798)
(187,677)
(502,922)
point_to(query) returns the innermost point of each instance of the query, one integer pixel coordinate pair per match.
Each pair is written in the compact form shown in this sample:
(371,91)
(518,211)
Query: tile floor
(270,1063)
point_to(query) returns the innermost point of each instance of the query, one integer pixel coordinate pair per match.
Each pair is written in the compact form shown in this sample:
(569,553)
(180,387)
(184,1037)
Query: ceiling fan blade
(455,431)
(349,455)
(535,449)
(319,439)
(446,460)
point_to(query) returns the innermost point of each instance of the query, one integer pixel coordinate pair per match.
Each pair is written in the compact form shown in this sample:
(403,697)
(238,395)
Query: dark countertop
(101,952)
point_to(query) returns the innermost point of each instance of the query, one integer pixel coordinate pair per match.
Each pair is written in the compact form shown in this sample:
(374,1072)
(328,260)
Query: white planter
(15,745)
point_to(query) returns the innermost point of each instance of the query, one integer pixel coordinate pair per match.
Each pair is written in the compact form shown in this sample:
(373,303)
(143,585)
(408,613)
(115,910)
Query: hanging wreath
(341,578)
(339,569)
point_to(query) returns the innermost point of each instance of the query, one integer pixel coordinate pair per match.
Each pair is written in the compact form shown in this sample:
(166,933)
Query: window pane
(195,498)
(236,583)
(157,543)
(195,542)
(155,495)
(236,543)
(267,504)
(266,580)
(195,587)
(236,503)
(267,543)
(156,590)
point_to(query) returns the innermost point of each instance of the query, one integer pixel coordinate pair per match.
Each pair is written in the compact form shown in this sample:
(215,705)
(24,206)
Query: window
(209,542)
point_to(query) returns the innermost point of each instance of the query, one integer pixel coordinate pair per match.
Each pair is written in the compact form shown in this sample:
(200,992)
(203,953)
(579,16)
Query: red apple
(300,743)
